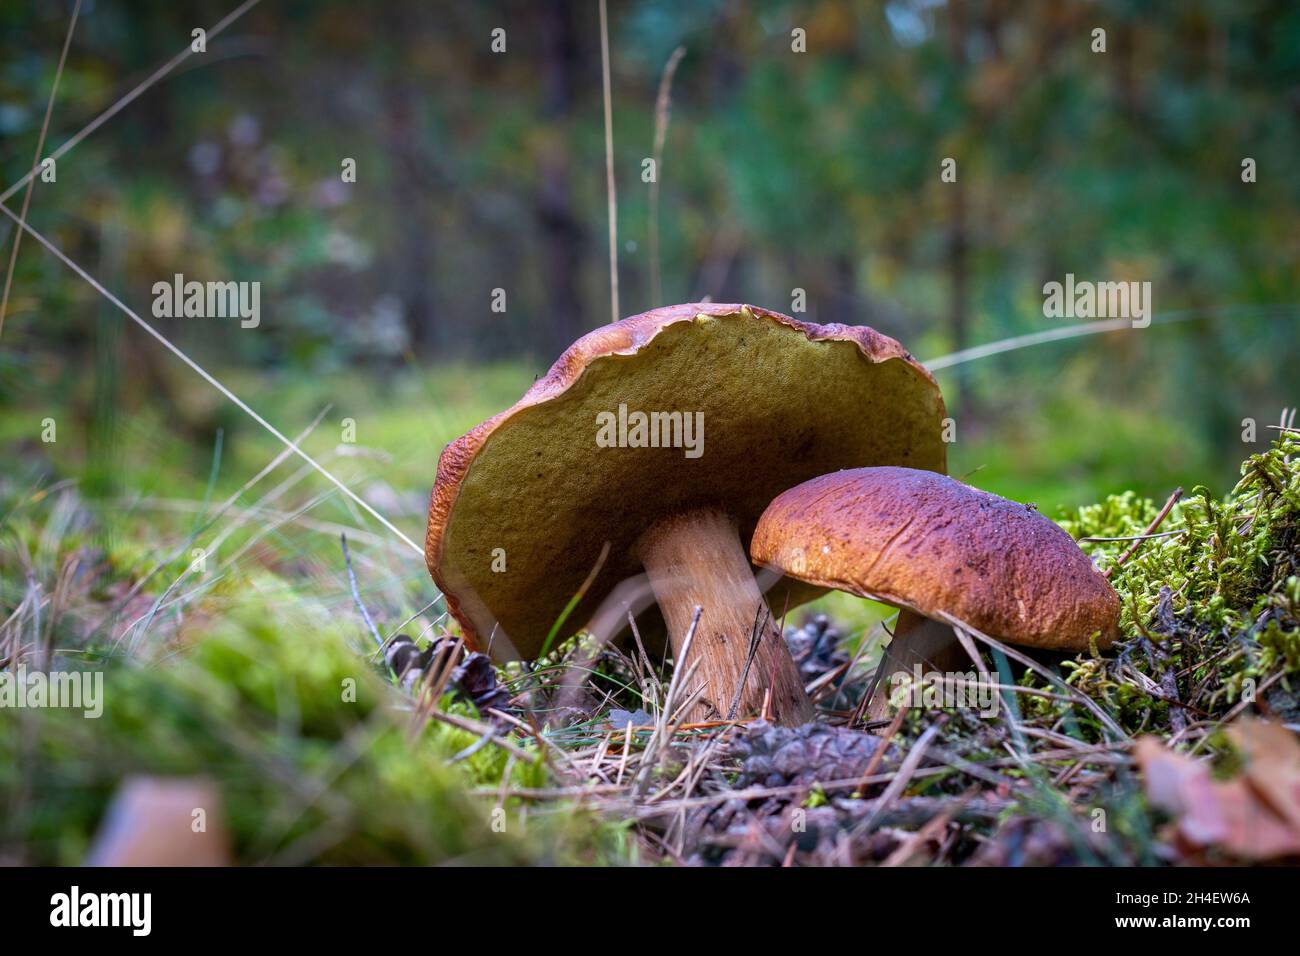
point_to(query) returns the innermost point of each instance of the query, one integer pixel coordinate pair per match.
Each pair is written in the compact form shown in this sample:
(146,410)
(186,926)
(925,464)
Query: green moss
(1215,603)
(311,768)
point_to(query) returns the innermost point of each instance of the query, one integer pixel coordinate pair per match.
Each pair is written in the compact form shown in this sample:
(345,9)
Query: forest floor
(246,668)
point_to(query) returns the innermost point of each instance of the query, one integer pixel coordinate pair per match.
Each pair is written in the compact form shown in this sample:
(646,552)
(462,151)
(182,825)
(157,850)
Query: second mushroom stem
(694,560)
(920,645)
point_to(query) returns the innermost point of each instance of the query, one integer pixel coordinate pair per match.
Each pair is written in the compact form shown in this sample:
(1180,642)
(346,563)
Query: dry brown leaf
(1238,816)
(1272,756)
(156,821)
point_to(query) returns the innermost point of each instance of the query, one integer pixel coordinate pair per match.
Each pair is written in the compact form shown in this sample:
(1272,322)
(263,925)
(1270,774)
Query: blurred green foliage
(820,171)
(308,771)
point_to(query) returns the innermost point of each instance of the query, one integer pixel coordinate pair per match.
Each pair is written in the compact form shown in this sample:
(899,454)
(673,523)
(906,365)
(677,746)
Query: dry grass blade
(681,674)
(356,593)
(652,688)
(904,776)
(130,97)
(1039,669)
(611,194)
(31,179)
(873,686)
(876,758)
(908,849)
(663,111)
(210,379)
(627,748)
(485,731)
(221,509)
(1155,523)
(755,638)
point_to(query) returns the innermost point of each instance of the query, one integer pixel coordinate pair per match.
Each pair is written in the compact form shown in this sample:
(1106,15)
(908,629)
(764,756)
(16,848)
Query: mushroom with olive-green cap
(930,545)
(664,436)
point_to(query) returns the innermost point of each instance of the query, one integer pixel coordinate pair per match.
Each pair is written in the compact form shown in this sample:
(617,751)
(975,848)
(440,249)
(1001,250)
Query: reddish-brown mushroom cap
(524,502)
(931,544)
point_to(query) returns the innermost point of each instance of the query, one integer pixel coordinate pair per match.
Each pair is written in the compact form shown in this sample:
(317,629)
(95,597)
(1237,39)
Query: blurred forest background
(150,528)
(481,170)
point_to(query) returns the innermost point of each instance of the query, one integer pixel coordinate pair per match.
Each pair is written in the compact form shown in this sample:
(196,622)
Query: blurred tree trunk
(1125,73)
(958,244)
(564,238)
(959,278)
(102,465)
(838,300)
(414,255)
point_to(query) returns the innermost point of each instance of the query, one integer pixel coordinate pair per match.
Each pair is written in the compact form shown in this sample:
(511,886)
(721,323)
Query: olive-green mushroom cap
(524,502)
(926,542)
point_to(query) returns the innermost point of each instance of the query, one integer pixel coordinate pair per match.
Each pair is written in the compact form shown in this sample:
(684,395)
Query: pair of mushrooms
(823,451)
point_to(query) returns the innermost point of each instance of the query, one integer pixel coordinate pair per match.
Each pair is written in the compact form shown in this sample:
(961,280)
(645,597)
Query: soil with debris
(1176,746)
(1211,626)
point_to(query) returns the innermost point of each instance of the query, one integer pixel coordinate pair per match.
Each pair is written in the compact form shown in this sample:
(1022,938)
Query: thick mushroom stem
(695,560)
(917,640)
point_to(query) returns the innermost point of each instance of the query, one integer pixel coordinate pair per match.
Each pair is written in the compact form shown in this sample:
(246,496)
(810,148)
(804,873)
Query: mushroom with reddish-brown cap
(525,503)
(932,546)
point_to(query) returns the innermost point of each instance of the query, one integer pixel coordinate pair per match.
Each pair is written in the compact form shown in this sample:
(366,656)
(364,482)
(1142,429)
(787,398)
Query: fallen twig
(1132,549)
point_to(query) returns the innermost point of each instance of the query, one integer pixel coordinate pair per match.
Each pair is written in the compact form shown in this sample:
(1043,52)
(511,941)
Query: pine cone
(473,677)
(801,756)
(815,647)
